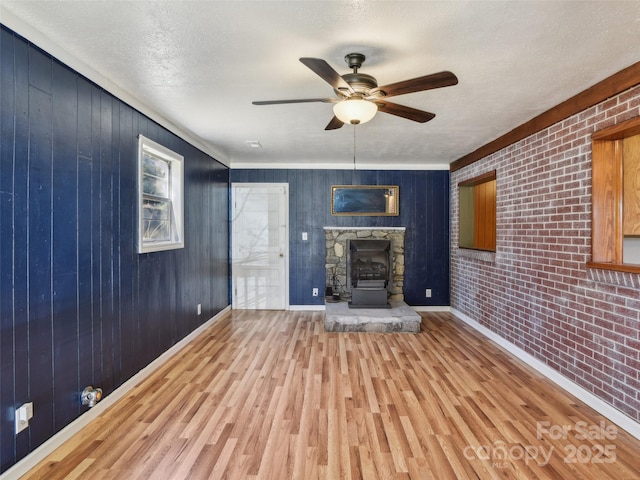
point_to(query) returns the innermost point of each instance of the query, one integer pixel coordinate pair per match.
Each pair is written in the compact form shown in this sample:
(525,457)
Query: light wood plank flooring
(270,395)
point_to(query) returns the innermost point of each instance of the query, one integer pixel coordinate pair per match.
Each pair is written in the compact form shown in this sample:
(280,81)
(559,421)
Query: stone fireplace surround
(338,316)
(336,255)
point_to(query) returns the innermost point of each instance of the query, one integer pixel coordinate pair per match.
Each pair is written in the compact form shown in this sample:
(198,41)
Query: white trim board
(330,165)
(302,308)
(431,308)
(419,308)
(36,456)
(600,406)
(38,39)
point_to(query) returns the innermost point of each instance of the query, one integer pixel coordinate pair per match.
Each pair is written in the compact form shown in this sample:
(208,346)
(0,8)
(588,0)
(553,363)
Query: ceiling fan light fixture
(355,111)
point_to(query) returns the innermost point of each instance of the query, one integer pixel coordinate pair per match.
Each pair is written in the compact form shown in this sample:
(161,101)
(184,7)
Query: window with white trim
(160,197)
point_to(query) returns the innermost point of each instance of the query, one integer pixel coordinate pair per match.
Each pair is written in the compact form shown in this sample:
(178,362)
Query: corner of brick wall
(536,291)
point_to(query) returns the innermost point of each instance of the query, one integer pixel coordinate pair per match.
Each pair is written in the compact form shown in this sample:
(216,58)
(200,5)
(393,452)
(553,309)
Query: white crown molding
(335,166)
(40,40)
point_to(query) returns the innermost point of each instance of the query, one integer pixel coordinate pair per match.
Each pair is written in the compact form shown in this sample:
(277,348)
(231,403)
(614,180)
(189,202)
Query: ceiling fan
(358,96)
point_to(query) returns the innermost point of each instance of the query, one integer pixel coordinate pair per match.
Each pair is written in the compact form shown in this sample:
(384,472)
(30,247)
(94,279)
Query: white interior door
(260,245)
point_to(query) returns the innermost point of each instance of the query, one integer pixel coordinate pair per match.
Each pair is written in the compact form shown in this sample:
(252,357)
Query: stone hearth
(338,317)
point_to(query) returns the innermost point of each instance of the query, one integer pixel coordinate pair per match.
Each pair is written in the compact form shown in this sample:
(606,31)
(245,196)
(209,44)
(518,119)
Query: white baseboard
(418,308)
(600,406)
(314,308)
(429,308)
(40,453)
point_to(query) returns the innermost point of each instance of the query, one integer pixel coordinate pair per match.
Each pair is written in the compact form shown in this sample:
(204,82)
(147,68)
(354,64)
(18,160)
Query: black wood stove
(369,273)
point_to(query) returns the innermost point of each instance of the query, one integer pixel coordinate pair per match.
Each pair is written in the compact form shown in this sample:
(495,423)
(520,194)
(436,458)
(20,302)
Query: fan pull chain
(354,147)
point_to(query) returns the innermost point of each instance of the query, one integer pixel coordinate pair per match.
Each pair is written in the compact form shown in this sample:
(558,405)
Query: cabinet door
(631,155)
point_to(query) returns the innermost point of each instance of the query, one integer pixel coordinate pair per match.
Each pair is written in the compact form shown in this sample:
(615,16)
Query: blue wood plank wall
(424,211)
(79,305)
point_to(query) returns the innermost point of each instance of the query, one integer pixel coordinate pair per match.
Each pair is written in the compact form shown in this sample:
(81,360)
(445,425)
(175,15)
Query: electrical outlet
(428,293)
(199,309)
(23,414)
(315,292)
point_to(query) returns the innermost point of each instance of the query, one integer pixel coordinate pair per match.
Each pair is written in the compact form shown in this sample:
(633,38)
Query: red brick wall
(536,291)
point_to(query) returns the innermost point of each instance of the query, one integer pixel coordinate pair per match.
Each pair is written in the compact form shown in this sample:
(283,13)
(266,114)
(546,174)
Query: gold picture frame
(365,200)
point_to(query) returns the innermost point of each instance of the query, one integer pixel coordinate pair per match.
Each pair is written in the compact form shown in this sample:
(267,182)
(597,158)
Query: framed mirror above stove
(365,200)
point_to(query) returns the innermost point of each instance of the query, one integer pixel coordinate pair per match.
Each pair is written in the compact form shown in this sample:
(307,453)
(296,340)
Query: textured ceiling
(196,66)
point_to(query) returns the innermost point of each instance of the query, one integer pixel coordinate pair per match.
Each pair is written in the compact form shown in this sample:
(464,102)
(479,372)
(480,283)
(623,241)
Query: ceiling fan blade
(299,100)
(428,82)
(334,124)
(327,73)
(405,112)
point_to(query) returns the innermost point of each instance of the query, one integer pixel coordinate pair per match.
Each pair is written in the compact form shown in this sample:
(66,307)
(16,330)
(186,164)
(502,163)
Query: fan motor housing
(360,82)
